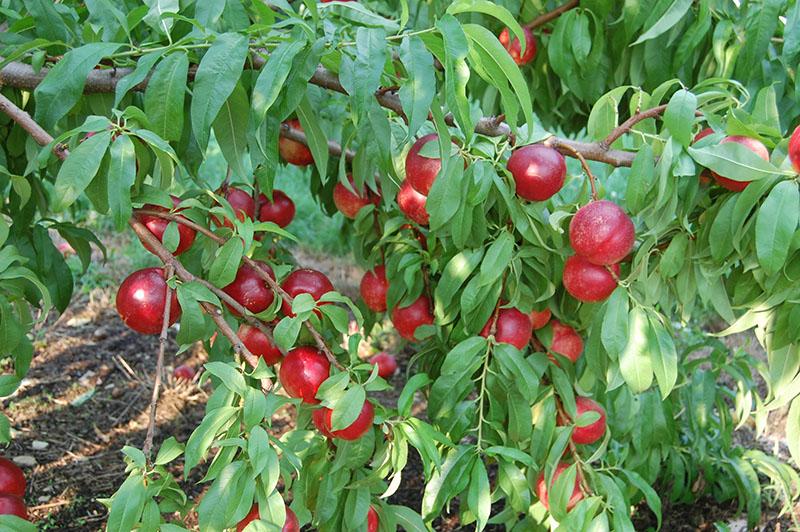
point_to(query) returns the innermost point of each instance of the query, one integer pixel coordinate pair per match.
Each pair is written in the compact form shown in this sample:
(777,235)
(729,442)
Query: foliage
(193,77)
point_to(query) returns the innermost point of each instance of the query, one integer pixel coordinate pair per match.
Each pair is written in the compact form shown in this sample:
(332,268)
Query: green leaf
(479,494)
(793,430)
(317,142)
(63,85)
(158,17)
(127,504)
(776,223)
(202,437)
(407,518)
(734,161)
(679,116)
(456,49)
(121,176)
(418,88)
(672,16)
(230,129)
(226,263)
(497,258)
(229,375)
(614,333)
(664,357)
(348,408)
(169,451)
(635,362)
(163,98)
(217,76)
(406,399)
(492,9)
(79,169)
(674,257)
(272,77)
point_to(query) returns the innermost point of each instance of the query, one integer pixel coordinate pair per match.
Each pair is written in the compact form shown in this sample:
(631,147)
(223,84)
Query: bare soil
(87,395)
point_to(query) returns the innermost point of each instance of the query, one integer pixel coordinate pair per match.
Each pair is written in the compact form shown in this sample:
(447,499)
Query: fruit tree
(560,206)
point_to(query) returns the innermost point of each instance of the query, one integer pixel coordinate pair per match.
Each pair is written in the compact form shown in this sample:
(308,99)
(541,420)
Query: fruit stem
(544,18)
(479,443)
(578,155)
(147,449)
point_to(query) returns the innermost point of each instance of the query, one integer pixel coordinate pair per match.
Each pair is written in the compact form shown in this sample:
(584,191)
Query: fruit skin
(242,204)
(12,479)
(374,287)
(513,327)
(412,204)
(540,319)
(387,364)
(515,47)
(349,202)
(421,171)
(794,149)
(290,525)
(183,372)
(407,319)
(589,282)
(322,420)
(294,152)
(753,145)
(372,520)
(590,433)
(280,210)
(305,281)
(602,233)
(13,505)
(250,290)
(157,226)
(566,341)
(259,344)
(302,372)
(538,171)
(541,488)
(141,298)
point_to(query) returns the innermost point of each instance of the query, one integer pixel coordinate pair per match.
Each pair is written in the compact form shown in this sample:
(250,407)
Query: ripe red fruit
(290,525)
(753,145)
(540,319)
(794,149)
(183,373)
(12,479)
(566,341)
(280,210)
(257,343)
(421,171)
(407,319)
(412,204)
(374,287)
(515,47)
(594,431)
(305,281)
(513,327)
(294,152)
(542,488)
(250,290)
(242,204)
(602,233)
(13,505)
(387,364)
(302,372)
(538,171)
(349,202)
(589,282)
(141,298)
(372,520)
(157,226)
(322,420)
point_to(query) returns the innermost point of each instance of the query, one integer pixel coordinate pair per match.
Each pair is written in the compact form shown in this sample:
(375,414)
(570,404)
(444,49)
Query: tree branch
(162,345)
(544,18)
(42,137)
(626,126)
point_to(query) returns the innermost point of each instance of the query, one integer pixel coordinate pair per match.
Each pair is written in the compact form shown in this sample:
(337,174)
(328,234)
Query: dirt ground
(87,395)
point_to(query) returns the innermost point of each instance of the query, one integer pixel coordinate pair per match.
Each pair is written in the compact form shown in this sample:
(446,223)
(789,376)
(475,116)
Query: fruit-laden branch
(544,18)
(144,234)
(335,149)
(162,346)
(272,283)
(21,75)
(27,123)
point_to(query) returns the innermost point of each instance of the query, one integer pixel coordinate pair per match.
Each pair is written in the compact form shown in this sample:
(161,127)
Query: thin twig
(42,137)
(543,19)
(162,345)
(586,169)
(627,125)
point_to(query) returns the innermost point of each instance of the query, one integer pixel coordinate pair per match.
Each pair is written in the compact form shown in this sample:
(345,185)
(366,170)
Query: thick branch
(162,345)
(272,283)
(544,18)
(42,137)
